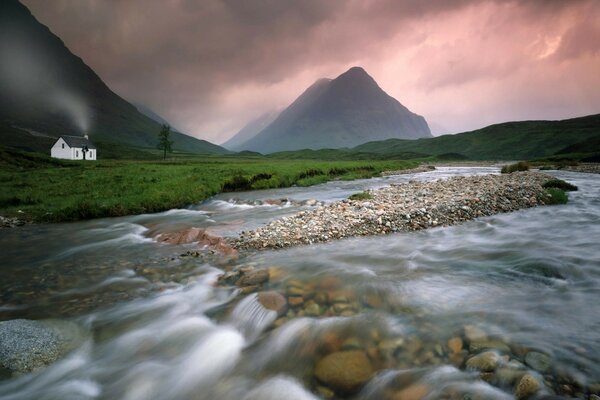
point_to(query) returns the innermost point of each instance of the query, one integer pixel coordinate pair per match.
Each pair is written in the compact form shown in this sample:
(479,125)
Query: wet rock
(527,387)
(351,344)
(478,345)
(345,371)
(254,277)
(313,310)
(538,361)
(295,301)
(272,300)
(508,376)
(417,391)
(27,345)
(486,361)
(474,333)
(455,345)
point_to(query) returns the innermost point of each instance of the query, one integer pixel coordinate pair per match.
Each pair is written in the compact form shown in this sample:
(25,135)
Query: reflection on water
(407,312)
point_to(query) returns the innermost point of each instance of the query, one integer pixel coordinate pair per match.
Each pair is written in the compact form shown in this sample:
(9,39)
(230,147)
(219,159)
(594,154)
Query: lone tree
(164,143)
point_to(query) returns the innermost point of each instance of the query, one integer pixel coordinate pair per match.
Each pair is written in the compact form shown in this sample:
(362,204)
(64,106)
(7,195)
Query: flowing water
(159,327)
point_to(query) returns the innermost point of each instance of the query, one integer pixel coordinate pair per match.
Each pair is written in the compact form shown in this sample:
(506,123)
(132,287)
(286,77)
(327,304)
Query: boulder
(27,345)
(344,371)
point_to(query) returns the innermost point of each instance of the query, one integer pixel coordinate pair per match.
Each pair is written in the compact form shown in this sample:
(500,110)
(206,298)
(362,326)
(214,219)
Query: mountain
(250,130)
(47,91)
(346,111)
(154,116)
(520,140)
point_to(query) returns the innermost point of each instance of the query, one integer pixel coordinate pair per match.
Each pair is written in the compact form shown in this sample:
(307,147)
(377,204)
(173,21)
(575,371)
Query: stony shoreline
(402,208)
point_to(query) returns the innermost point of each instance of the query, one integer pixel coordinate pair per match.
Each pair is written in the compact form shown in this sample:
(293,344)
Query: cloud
(210,66)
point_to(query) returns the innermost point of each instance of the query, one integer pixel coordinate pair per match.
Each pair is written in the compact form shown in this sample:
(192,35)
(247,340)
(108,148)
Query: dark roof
(78,141)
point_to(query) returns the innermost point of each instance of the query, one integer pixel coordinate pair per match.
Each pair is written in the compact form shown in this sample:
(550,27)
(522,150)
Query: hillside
(46,91)
(505,141)
(344,112)
(250,130)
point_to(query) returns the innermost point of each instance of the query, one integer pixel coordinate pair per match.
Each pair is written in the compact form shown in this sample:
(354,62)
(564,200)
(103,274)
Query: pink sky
(210,66)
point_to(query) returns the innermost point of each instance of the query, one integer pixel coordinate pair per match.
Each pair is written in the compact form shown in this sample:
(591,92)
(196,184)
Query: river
(159,328)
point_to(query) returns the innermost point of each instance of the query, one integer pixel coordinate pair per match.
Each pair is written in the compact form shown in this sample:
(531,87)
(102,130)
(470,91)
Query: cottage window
(63,145)
(77,153)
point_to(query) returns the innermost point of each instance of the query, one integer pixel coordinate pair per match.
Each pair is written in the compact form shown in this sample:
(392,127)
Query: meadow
(40,189)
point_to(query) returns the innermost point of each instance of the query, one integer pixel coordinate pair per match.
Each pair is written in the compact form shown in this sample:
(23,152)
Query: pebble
(486,361)
(455,345)
(403,207)
(272,300)
(538,361)
(527,387)
(345,371)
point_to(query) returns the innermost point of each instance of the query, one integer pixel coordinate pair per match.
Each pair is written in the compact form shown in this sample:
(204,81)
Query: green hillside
(506,141)
(47,91)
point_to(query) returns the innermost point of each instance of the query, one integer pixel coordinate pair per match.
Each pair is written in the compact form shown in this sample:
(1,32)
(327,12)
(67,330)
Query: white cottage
(74,148)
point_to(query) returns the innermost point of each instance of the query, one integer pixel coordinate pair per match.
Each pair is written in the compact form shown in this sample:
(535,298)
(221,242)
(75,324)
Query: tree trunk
(165,154)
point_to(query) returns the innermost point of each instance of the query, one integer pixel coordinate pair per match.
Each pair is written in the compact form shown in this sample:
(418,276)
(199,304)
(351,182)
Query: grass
(46,190)
(559,184)
(361,196)
(556,196)
(520,166)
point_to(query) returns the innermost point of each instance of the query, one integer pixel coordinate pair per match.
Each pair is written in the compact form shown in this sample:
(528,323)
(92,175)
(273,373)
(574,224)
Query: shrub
(556,196)
(559,184)
(237,184)
(520,166)
(361,196)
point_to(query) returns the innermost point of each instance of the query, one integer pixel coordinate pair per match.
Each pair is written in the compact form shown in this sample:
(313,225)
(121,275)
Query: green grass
(559,184)
(556,196)
(520,166)
(47,190)
(361,196)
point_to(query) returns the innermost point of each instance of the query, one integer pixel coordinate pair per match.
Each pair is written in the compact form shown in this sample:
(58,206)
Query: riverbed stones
(27,345)
(455,345)
(418,391)
(272,300)
(538,361)
(478,345)
(527,387)
(345,371)
(403,207)
(485,362)
(253,277)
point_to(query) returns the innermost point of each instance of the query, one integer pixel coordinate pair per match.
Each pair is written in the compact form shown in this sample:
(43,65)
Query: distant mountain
(47,91)
(250,130)
(346,111)
(521,140)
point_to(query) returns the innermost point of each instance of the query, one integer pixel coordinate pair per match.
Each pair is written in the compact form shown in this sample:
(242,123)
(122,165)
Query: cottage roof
(78,141)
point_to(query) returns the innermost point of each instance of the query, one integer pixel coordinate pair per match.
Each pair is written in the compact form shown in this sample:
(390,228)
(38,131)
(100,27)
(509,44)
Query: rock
(345,371)
(417,391)
(477,345)
(508,376)
(272,300)
(351,344)
(486,362)
(455,345)
(473,333)
(295,301)
(254,277)
(527,387)
(313,310)
(27,345)
(538,361)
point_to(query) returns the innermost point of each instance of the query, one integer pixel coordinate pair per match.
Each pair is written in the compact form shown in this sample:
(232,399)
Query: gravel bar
(402,208)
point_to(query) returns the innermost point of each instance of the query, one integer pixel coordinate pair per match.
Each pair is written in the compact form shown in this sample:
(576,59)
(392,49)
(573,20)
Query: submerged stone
(345,371)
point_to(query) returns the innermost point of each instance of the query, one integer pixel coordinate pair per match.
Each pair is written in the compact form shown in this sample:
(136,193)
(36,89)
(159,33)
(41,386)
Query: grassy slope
(50,190)
(511,140)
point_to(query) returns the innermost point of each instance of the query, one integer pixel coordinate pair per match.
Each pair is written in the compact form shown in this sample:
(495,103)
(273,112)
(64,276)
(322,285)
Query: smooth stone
(253,277)
(473,333)
(344,371)
(313,310)
(478,345)
(509,376)
(455,345)
(351,344)
(417,391)
(272,300)
(486,361)
(527,387)
(295,301)
(538,361)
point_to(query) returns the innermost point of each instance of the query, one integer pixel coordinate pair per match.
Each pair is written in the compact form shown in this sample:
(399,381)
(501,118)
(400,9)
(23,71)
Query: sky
(211,66)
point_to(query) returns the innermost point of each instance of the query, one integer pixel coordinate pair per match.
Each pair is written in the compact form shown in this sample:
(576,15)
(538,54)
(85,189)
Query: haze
(209,67)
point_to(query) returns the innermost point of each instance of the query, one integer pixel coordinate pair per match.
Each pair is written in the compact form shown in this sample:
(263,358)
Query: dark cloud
(210,65)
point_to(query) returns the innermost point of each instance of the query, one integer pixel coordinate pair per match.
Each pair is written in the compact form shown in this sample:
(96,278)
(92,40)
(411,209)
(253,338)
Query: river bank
(406,207)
